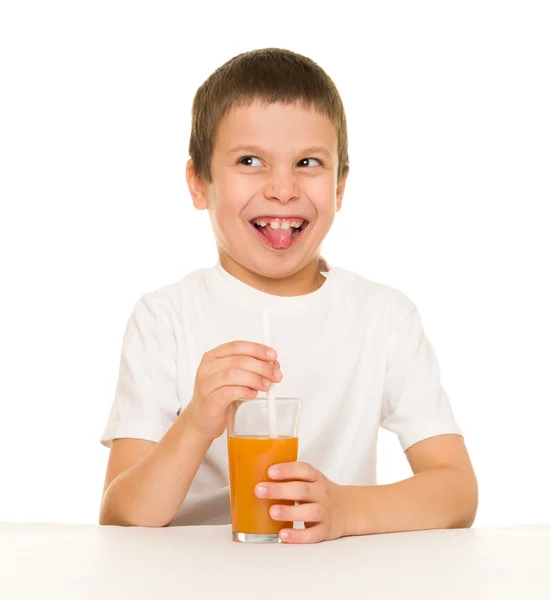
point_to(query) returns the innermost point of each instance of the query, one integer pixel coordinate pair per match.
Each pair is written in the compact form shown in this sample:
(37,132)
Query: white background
(448,106)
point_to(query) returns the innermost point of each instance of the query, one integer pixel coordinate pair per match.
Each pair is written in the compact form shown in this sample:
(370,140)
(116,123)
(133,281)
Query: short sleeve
(146,401)
(415,405)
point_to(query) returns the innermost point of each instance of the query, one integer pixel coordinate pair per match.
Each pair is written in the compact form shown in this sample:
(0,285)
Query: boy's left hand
(320,508)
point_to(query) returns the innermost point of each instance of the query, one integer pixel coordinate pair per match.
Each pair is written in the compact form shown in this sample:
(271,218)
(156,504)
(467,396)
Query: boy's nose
(282,188)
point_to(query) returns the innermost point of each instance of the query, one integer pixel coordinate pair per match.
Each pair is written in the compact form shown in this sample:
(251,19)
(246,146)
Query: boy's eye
(305,160)
(248,161)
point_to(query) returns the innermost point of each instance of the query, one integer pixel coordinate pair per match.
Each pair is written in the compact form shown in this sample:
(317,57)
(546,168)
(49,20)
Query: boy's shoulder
(171,293)
(366,290)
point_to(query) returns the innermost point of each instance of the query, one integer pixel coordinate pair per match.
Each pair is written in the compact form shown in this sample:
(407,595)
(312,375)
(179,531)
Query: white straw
(270,395)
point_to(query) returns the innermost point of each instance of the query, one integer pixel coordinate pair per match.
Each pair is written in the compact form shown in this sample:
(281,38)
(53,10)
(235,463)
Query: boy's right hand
(229,372)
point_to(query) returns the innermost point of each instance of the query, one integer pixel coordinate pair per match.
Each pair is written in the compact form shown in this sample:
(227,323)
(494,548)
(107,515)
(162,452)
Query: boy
(269,162)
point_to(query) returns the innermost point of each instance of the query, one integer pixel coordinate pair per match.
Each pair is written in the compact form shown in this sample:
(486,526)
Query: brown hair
(270,75)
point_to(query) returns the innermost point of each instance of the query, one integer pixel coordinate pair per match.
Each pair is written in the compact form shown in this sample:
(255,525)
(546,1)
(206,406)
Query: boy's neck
(307,280)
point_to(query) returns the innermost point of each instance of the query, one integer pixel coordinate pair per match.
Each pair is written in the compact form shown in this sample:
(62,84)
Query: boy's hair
(269,75)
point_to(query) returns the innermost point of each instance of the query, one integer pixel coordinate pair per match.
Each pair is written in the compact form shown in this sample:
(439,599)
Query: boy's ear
(340,190)
(196,186)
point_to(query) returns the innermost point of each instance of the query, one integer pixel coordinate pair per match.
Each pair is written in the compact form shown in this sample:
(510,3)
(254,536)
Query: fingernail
(261,490)
(273,472)
(277,374)
(267,383)
(271,353)
(283,535)
(275,511)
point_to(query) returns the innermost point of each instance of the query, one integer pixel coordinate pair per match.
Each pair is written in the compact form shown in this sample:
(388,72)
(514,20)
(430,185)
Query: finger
(246,363)
(293,471)
(310,535)
(311,512)
(259,351)
(236,378)
(299,491)
(231,393)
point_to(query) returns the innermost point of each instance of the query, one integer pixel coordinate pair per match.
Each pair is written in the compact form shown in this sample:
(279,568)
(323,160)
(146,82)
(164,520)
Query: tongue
(279,238)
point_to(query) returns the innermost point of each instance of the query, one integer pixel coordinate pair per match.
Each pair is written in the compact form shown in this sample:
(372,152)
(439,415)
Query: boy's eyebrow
(259,150)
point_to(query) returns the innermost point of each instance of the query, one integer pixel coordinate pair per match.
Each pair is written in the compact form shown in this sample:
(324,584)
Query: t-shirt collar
(236,291)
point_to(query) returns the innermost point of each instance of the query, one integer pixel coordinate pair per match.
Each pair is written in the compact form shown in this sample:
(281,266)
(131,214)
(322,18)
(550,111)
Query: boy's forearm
(440,498)
(150,493)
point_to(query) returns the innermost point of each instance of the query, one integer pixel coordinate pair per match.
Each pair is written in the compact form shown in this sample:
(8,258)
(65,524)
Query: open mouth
(279,233)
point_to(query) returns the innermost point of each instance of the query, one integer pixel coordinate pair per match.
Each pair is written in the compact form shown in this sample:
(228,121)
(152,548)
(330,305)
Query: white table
(86,561)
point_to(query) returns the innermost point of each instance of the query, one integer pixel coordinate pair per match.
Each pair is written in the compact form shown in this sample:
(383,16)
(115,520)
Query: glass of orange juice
(251,452)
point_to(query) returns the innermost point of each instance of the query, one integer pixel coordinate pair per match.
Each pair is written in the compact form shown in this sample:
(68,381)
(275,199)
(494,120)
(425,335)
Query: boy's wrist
(190,425)
(355,510)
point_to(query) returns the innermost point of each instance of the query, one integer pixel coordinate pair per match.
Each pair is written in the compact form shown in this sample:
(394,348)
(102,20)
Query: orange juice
(250,458)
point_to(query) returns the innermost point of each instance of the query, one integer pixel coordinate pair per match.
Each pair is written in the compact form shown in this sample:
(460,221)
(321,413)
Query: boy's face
(274,193)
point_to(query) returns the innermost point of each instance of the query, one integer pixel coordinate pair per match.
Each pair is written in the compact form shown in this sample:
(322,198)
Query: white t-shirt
(354,351)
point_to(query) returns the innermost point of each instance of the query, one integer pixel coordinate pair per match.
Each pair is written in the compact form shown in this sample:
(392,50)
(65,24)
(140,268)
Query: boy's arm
(147,482)
(443,493)
(443,490)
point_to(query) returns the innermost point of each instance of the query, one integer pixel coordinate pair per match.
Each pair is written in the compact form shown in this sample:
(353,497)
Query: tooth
(263,223)
(286,225)
(274,225)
